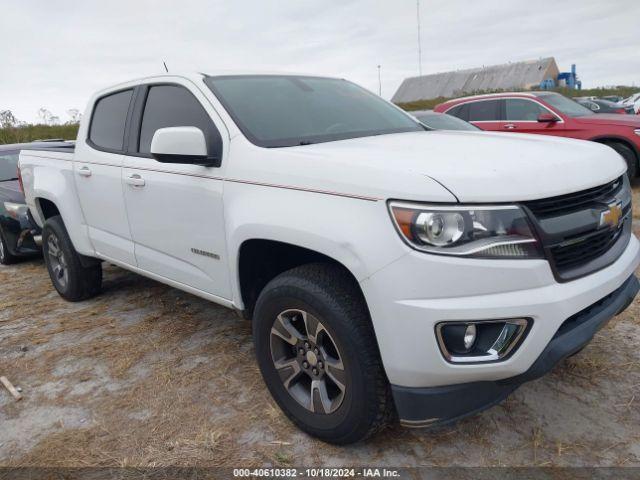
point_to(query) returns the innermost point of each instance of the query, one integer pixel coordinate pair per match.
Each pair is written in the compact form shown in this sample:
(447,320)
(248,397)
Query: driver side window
(174,106)
(523,110)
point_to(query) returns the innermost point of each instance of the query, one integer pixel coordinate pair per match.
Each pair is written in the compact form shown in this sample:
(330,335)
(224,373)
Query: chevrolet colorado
(389,271)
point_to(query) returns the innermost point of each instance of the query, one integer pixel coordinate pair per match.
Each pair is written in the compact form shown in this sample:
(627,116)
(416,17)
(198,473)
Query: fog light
(470,336)
(480,340)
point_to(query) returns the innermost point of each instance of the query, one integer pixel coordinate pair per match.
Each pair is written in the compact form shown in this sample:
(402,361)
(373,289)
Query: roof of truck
(200,75)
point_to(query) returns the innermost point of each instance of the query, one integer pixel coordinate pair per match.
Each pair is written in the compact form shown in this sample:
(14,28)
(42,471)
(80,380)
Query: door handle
(510,126)
(135,180)
(84,171)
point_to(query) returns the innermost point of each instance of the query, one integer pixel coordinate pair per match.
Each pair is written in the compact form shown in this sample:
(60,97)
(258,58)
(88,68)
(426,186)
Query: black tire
(77,282)
(6,258)
(629,157)
(327,293)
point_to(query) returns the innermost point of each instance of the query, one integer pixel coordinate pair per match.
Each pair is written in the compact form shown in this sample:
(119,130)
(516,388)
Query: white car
(388,270)
(632,101)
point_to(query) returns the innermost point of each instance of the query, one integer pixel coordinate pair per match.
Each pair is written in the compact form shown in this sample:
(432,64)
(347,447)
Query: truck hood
(610,119)
(473,166)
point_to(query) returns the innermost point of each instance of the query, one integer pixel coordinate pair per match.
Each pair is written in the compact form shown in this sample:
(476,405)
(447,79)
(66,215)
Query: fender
(52,179)
(358,234)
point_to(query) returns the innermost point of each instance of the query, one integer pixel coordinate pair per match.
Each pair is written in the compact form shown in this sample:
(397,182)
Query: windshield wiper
(8,179)
(305,142)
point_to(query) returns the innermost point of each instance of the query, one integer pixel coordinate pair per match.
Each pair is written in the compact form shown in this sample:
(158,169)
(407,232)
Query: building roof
(527,74)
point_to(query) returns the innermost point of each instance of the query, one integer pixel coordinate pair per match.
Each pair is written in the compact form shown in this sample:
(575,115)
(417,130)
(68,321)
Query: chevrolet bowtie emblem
(612,215)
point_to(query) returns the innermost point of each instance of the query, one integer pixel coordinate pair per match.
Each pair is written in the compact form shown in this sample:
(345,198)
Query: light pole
(379,82)
(419,40)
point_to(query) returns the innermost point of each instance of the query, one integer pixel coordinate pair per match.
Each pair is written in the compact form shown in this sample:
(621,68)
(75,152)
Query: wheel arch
(47,207)
(259,260)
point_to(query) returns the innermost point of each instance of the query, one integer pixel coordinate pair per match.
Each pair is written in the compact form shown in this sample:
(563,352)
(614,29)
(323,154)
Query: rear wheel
(629,157)
(318,354)
(6,258)
(72,280)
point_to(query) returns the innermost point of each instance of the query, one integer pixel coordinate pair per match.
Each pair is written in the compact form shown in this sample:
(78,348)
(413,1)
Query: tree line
(13,130)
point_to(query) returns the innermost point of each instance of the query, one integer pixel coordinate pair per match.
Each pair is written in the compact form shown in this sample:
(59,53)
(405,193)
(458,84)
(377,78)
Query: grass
(29,133)
(166,379)
(623,91)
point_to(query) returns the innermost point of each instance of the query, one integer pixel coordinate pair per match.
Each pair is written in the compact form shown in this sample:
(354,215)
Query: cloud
(56,53)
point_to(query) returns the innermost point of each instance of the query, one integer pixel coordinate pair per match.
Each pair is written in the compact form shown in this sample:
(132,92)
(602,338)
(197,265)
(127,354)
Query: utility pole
(419,40)
(379,82)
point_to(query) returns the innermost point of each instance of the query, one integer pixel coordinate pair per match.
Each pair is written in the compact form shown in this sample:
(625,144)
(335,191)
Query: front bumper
(418,407)
(22,235)
(409,297)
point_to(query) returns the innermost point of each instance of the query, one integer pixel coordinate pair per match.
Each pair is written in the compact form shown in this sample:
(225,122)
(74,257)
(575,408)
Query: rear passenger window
(484,111)
(175,106)
(108,120)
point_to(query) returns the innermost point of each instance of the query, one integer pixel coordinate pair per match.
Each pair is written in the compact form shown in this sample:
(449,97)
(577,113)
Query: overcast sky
(54,53)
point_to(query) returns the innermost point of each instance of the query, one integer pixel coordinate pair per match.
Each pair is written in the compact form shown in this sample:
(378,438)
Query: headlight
(473,231)
(637,131)
(16,210)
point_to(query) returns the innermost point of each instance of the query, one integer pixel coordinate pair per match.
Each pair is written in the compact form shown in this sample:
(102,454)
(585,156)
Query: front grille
(570,232)
(585,249)
(572,202)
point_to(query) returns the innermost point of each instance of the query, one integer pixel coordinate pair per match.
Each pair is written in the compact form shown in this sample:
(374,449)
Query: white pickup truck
(389,271)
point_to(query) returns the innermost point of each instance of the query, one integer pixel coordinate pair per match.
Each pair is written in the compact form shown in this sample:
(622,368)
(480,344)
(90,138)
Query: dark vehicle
(599,105)
(442,121)
(19,235)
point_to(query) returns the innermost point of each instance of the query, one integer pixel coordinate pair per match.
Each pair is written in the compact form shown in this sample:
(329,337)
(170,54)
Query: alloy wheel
(308,361)
(57,261)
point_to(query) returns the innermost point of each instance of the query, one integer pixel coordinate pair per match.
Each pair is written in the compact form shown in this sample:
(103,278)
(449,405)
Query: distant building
(532,74)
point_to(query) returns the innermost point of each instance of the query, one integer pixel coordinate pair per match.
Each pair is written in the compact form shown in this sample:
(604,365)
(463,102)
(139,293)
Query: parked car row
(390,269)
(612,104)
(601,105)
(549,113)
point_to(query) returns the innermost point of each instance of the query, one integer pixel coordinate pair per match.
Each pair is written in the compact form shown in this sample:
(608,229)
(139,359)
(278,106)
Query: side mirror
(184,145)
(547,118)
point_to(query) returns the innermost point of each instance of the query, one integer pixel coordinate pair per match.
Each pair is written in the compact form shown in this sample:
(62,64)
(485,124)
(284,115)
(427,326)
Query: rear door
(175,210)
(521,115)
(98,177)
(483,113)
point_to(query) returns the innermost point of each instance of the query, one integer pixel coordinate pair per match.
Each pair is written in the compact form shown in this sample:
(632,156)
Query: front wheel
(72,280)
(318,354)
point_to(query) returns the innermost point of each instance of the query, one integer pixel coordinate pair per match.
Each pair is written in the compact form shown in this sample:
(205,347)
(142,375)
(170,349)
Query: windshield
(565,105)
(284,111)
(442,121)
(8,166)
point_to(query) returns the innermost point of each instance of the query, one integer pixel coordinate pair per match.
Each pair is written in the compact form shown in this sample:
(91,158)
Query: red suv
(549,113)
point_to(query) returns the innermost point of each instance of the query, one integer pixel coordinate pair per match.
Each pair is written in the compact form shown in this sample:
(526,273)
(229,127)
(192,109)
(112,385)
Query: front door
(175,210)
(97,172)
(521,116)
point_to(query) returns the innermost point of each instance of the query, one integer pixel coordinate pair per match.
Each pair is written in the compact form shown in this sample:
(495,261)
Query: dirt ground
(146,375)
